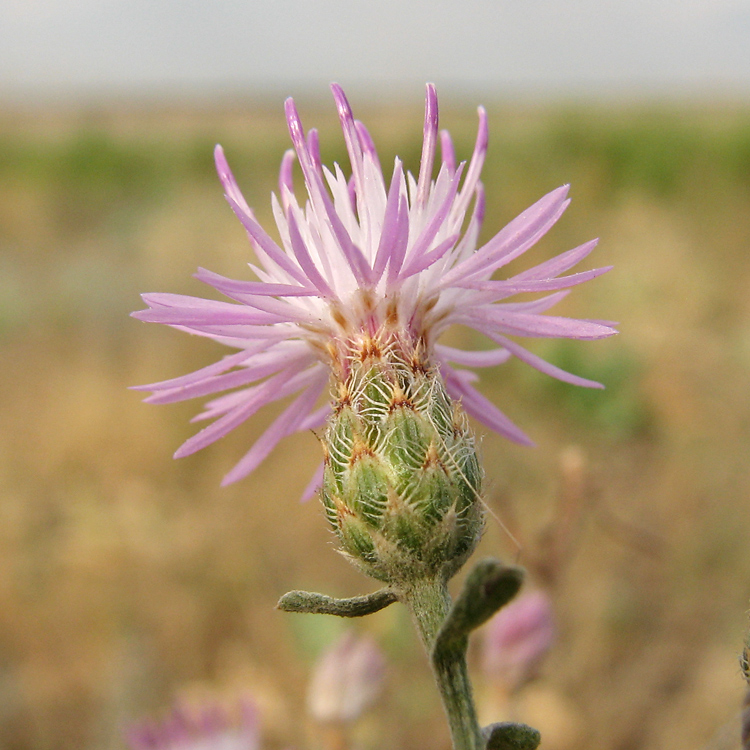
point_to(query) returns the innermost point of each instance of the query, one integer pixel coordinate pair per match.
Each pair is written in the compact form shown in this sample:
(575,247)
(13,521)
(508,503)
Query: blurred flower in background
(347,680)
(204,727)
(517,639)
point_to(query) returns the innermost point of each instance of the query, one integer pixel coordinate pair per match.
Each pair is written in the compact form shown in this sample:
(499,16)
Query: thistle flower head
(347,679)
(365,266)
(204,727)
(517,639)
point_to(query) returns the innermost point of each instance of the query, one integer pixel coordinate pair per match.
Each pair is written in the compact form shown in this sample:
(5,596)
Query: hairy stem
(430,604)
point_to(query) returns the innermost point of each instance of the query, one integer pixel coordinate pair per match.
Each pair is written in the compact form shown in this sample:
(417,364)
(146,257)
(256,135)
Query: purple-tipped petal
(286,175)
(284,425)
(482,409)
(428,144)
(475,165)
(222,426)
(447,151)
(366,142)
(536,326)
(215,315)
(256,232)
(306,262)
(535,305)
(252,288)
(517,237)
(559,264)
(494,291)
(420,262)
(490,358)
(400,242)
(313,147)
(389,231)
(224,364)
(314,484)
(315,419)
(297,358)
(428,234)
(542,365)
(351,137)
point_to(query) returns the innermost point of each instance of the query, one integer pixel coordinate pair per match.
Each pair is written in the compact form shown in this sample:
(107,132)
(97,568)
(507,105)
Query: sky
(60,48)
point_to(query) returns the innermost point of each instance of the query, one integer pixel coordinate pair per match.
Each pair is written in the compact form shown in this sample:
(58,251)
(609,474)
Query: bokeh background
(127,579)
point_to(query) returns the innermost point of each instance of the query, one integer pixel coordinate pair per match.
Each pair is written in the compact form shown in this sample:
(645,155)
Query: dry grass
(126,578)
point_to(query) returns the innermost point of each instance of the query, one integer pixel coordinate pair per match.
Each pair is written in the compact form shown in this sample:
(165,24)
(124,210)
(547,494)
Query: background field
(127,578)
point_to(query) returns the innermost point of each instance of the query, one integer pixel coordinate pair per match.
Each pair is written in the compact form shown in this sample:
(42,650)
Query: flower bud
(402,480)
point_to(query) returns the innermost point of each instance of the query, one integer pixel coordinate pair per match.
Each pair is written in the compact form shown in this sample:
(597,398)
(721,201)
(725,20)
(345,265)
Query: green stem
(430,604)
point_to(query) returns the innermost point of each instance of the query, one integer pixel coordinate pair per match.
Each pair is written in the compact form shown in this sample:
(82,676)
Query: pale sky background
(539,47)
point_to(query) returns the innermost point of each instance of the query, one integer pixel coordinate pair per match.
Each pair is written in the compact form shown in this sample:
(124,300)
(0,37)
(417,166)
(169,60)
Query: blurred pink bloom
(346,681)
(206,727)
(517,639)
(360,258)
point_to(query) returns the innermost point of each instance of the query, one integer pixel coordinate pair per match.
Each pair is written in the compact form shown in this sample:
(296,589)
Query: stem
(430,603)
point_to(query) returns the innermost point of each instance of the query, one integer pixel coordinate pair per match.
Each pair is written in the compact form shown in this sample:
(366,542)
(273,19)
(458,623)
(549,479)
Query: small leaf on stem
(487,588)
(510,736)
(320,604)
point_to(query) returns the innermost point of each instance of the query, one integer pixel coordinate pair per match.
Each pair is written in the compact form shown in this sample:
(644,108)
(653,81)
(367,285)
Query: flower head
(347,679)
(364,264)
(205,727)
(517,639)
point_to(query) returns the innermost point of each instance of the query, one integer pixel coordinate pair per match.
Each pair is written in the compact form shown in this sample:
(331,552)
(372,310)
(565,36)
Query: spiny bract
(402,479)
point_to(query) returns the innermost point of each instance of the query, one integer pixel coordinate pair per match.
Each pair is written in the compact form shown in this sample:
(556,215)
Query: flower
(360,261)
(206,727)
(517,639)
(346,681)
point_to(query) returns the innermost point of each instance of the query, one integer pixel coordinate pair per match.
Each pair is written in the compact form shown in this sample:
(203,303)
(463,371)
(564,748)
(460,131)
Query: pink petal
(535,305)
(314,484)
(475,165)
(482,409)
(400,241)
(286,178)
(313,147)
(543,366)
(494,318)
(297,359)
(316,418)
(428,234)
(244,214)
(490,358)
(214,316)
(224,364)
(517,237)
(351,137)
(559,264)
(390,226)
(284,425)
(260,288)
(223,425)
(447,152)
(417,265)
(368,145)
(306,262)
(493,291)
(428,145)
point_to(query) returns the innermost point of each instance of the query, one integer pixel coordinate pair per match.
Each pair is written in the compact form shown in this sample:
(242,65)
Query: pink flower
(360,257)
(206,727)
(347,679)
(517,638)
